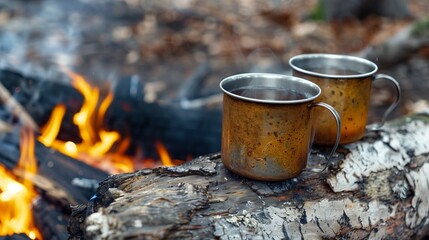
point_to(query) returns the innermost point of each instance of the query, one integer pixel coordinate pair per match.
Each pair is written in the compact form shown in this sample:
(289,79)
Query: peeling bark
(377,188)
(419,182)
(396,148)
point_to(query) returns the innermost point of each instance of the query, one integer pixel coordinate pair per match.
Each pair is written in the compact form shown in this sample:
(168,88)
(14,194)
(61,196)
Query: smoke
(38,37)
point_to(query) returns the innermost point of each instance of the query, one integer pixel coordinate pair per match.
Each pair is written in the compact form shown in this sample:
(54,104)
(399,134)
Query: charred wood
(49,220)
(60,179)
(40,96)
(179,129)
(16,109)
(21,236)
(191,89)
(184,132)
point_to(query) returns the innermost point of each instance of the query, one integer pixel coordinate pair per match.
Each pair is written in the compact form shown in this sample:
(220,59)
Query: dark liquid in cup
(335,71)
(266,93)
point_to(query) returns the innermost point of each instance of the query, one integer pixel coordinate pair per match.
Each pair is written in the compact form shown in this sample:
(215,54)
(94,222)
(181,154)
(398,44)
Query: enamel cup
(267,124)
(346,85)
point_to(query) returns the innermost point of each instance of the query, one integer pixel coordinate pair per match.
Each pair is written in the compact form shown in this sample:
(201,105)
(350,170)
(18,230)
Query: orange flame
(16,197)
(163,154)
(97,143)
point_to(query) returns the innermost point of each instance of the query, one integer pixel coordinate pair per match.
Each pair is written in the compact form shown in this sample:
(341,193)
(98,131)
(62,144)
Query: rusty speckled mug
(267,125)
(346,85)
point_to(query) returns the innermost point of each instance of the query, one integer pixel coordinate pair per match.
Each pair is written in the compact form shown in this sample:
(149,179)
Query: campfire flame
(95,149)
(163,153)
(16,196)
(97,143)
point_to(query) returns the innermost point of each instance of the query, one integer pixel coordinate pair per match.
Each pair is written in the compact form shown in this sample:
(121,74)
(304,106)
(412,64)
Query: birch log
(377,188)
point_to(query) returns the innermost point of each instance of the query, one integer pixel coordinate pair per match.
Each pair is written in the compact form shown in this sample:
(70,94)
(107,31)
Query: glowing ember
(97,143)
(16,197)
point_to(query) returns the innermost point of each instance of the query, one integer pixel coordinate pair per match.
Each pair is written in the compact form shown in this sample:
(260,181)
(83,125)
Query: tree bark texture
(376,188)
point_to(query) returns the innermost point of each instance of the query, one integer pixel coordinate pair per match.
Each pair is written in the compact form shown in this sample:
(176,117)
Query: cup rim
(271,76)
(333,56)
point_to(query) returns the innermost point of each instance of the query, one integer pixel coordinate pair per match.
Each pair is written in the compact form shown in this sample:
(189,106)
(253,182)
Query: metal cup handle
(393,105)
(337,140)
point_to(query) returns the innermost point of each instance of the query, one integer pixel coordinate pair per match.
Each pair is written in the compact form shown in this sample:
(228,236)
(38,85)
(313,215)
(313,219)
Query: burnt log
(376,188)
(178,128)
(60,179)
(20,236)
(50,220)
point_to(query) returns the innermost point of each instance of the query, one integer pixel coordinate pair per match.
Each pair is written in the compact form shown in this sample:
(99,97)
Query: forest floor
(163,42)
